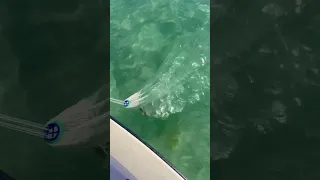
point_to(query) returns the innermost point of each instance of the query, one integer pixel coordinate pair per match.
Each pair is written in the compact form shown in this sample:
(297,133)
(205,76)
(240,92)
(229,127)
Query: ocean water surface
(162,48)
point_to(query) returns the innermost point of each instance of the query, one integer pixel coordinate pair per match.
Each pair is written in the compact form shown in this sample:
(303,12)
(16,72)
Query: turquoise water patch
(160,58)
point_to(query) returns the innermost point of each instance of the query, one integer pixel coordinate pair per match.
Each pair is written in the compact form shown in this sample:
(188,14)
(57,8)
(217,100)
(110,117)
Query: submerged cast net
(185,69)
(83,123)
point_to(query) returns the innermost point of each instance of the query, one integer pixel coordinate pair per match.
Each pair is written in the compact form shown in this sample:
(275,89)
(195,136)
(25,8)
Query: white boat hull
(133,159)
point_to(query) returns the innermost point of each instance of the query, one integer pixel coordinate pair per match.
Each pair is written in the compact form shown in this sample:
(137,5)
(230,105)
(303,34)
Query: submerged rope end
(132,101)
(126,103)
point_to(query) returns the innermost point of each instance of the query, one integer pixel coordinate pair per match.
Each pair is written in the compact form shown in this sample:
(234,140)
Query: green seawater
(174,35)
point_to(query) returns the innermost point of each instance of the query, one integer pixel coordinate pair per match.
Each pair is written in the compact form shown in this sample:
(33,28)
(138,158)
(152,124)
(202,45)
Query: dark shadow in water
(63,58)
